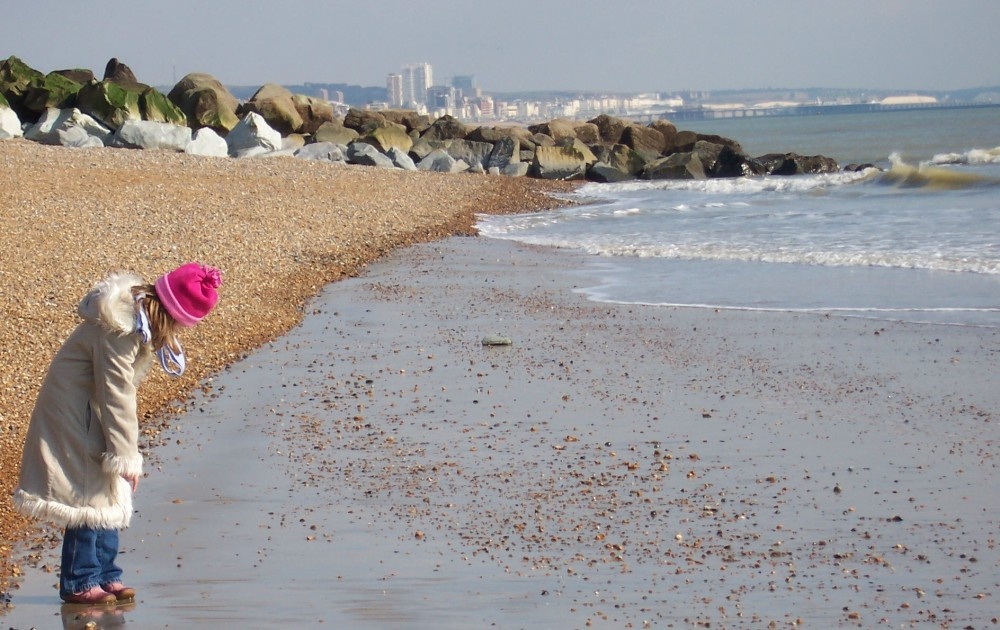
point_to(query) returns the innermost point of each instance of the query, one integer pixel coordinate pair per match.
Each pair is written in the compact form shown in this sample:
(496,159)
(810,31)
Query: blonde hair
(162,324)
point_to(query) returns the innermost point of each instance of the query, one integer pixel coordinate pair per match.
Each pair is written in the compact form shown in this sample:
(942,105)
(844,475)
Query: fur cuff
(119,465)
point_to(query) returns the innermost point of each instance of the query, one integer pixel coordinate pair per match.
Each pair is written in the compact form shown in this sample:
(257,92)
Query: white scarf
(172,363)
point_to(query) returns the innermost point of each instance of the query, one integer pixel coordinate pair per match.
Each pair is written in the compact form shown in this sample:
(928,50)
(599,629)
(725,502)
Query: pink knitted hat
(189,292)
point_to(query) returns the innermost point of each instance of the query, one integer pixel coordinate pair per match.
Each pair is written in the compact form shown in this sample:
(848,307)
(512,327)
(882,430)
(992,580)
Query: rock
(604,173)
(77,138)
(206,142)
(626,159)
(496,134)
(147,134)
(496,339)
(409,119)
(543,140)
(293,142)
(46,130)
(365,154)
(117,72)
(446,128)
(609,128)
(401,159)
(668,130)
(252,136)
(505,151)
(109,103)
(645,140)
(205,103)
(156,107)
(363,121)
(677,166)
(10,124)
(334,131)
(423,147)
(557,129)
(515,169)
(439,161)
(588,133)
(275,105)
(729,163)
(562,163)
(313,111)
(472,153)
(389,136)
(795,164)
(15,79)
(708,154)
(77,75)
(51,91)
(322,151)
(681,142)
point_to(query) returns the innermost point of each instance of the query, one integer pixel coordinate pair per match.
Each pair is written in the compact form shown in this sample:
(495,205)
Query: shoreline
(280,229)
(615,466)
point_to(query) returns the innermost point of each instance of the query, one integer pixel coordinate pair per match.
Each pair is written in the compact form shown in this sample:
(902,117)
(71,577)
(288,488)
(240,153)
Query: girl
(81,460)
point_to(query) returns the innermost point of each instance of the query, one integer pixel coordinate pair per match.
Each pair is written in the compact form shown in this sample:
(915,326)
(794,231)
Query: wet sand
(616,466)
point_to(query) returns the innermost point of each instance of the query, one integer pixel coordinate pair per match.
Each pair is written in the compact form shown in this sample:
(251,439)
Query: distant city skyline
(518,46)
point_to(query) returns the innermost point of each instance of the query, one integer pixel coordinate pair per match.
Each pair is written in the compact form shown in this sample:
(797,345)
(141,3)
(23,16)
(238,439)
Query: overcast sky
(517,45)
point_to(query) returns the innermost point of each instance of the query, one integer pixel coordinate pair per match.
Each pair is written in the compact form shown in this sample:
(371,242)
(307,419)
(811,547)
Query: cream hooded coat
(84,429)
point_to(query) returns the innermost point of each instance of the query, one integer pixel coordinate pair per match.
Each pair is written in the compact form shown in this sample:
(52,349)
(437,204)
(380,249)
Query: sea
(915,238)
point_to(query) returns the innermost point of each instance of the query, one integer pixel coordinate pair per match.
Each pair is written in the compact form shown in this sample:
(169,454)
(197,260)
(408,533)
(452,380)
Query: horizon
(892,45)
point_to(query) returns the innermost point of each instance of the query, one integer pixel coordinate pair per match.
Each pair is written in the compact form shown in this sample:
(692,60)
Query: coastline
(280,229)
(616,466)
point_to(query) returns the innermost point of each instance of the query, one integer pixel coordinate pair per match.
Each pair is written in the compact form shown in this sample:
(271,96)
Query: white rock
(208,143)
(149,134)
(10,124)
(252,136)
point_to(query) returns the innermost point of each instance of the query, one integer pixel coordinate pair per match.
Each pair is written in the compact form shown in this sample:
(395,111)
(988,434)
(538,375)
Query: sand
(615,466)
(279,228)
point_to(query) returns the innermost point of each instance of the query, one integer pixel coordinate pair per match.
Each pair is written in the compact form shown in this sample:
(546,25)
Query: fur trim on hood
(110,303)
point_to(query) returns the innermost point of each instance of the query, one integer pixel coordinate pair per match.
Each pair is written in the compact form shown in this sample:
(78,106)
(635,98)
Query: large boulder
(401,159)
(252,136)
(367,155)
(205,102)
(505,151)
(604,173)
(411,120)
(677,166)
(439,161)
(623,158)
(446,128)
(276,105)
(645,140)
(52,127)
(472,153)
(322,152)
(109,103)
(389,136)
(334,131)
(117,72)
(729,163)
(424,147)
(156,107)
(588,133)
(10,124)
(557,129)
(208,143)
(363,121)
(495,134)
(795,164)
(609,128)
(15,79)
(668,130)
(53,90)
(559,162)
(77,138)
(147,134)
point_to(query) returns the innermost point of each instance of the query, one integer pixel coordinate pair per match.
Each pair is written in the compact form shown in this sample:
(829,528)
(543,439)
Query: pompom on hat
(189,292)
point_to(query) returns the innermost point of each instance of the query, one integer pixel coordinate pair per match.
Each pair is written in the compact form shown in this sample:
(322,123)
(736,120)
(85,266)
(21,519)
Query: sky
(627,46)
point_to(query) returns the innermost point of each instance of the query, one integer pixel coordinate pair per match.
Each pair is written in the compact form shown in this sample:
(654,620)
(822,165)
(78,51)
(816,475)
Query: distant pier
(709,113)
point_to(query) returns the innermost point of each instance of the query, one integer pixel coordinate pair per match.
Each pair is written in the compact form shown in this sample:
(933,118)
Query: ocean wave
(973,156)
(932,176)
(735,185)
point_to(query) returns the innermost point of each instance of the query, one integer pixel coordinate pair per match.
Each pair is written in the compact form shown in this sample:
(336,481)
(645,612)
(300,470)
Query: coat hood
(110,303)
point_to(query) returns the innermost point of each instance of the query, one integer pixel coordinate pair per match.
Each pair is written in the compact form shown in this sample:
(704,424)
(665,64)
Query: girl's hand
(133,481)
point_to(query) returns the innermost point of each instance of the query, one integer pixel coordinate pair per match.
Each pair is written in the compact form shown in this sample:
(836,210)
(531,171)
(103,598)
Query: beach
(615,466)
(280,229)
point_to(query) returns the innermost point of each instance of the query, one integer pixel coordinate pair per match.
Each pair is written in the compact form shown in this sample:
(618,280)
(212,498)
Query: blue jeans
(88,559)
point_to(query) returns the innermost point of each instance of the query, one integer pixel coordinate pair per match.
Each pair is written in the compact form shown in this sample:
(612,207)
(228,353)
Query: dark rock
(557,129)
(53,90)
(505,151)
(645,140)
(795,164)
(604,173)
(609,128)
(367,155)
(472,153)
(588,133)
(363,121)
(109,103)
(495,134)
(409,119)
(669,131)
(729,163)
(446,128)
(117,72)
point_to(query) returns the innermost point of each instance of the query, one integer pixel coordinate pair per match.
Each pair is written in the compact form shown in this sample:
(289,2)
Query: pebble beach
(280,229)
(375,461)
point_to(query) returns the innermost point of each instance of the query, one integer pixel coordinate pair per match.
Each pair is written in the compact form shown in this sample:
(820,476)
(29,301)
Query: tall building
(417,78)
(394,86)
(466,86)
